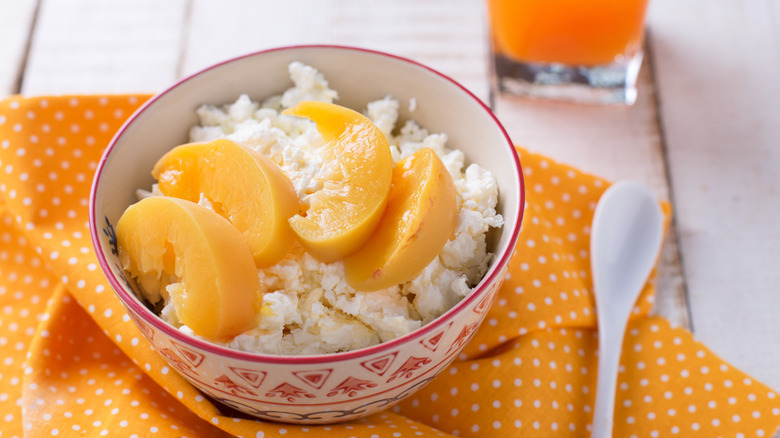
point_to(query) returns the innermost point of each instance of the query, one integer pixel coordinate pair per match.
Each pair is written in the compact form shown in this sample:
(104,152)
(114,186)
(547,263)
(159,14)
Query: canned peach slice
(178,250)
(419,220)
(244,186)
(355,179)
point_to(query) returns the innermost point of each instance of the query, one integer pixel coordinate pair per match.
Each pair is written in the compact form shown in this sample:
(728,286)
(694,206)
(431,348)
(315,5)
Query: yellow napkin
(73,364)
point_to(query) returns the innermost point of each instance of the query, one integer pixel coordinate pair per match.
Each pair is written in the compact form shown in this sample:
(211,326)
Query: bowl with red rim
(322,388)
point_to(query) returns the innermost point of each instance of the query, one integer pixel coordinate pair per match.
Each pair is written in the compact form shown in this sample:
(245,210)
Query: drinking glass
(586,51)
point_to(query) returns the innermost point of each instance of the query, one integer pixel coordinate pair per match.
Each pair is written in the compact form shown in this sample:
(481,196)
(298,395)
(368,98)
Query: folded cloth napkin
(72,362)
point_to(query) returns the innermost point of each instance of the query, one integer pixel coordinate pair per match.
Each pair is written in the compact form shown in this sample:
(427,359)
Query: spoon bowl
(625,241)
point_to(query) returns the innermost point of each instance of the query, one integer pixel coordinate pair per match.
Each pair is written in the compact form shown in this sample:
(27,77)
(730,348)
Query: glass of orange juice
(586,51)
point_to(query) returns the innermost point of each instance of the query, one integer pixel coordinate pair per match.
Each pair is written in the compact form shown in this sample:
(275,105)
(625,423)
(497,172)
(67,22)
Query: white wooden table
(704,133)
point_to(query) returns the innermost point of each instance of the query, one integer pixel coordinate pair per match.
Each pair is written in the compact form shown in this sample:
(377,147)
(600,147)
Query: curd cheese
(308,307)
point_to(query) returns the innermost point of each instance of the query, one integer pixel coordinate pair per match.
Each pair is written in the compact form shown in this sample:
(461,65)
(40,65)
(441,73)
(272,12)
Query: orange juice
(572,32)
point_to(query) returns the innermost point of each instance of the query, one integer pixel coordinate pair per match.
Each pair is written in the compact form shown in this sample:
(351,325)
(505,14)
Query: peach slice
(214,284)
(356,182)
(245,187)
(420,218)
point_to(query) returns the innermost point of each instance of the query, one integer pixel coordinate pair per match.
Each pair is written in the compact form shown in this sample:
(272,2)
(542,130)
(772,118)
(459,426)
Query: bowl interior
(358,76)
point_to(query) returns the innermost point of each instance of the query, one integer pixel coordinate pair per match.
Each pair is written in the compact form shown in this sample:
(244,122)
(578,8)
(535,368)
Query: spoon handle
(610,342)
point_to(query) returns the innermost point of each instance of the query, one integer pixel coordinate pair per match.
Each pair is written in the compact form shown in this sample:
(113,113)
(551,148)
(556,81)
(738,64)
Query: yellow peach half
(419,220)
(244,186)
(208,268)
(355,184)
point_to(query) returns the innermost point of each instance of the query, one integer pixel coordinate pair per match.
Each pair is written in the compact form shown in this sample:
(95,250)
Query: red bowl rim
(131,301)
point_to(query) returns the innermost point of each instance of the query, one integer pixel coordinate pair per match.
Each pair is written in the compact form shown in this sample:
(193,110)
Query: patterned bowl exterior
(328,391)
(321,388)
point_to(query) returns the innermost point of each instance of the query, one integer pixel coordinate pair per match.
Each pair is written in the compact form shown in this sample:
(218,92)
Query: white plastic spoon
(625,240)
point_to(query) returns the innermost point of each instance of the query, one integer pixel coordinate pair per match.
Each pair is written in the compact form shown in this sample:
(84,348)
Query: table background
(703,134)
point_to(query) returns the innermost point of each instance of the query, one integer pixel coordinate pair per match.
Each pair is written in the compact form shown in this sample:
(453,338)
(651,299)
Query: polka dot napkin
(73,364)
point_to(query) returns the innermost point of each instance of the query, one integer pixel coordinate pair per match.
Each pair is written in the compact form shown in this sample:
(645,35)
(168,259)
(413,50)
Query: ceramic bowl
(319,388)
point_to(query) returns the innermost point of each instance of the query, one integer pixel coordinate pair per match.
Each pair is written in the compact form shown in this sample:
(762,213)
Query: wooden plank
(273,24)
(447,35)
(98,46)
(614,142)
(16,21)
(717,66)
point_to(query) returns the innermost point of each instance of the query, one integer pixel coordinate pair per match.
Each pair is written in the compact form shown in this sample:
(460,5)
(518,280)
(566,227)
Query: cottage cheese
(308,308)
